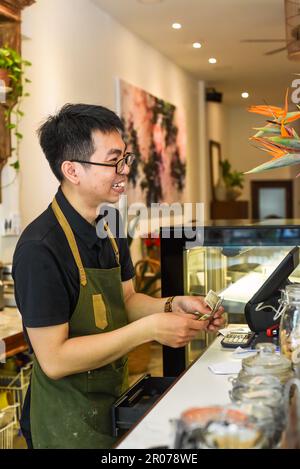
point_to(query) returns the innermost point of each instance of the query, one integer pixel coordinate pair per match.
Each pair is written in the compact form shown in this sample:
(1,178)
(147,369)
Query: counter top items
(266,398)
(217,428)
(290,325)
(257,381)
(225,368)
(196,412)
(268,362)
(198,387)
(238,339)
(291,436)
(262,311)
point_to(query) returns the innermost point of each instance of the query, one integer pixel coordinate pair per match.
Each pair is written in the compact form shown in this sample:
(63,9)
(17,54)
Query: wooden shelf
(229,210)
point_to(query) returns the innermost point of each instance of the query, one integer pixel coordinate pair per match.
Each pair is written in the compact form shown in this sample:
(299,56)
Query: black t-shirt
(44,270)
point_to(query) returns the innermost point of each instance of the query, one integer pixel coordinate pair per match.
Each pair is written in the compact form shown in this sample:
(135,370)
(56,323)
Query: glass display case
(233,259)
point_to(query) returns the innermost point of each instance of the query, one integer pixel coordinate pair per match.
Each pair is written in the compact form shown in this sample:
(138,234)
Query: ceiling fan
(292,24)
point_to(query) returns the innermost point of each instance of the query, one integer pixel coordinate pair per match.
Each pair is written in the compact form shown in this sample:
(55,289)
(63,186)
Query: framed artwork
(155,132)
(215,169)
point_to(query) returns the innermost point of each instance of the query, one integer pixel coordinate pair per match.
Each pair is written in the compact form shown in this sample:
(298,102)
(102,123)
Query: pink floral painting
(155,132)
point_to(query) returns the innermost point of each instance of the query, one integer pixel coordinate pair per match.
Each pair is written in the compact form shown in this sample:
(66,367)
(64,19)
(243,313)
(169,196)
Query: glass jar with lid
(289,331)
(258,381)
(263,398)
(263,416)
(218,427)
(267,362)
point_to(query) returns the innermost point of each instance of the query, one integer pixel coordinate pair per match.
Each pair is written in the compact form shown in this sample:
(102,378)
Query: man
(75,292)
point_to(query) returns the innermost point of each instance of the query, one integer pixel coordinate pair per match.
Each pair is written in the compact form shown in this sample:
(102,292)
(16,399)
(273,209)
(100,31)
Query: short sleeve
(41,295)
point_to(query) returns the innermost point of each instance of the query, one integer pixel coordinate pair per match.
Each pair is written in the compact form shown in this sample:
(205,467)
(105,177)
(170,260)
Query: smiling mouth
(119,185)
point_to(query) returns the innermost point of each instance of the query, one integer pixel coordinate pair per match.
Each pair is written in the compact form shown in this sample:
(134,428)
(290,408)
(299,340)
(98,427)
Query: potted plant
(12,68)
(234,180)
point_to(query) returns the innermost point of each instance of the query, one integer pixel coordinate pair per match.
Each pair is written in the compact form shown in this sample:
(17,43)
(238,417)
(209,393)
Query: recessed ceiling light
(212,60)
(149,2)
(245,95)
(176,26)
(197,45)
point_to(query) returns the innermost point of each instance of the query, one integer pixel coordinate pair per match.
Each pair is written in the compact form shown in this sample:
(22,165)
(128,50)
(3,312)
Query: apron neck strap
(72,242)
(71,239)
(113,243)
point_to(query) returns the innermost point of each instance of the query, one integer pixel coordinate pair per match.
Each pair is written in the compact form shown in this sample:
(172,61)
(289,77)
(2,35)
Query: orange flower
(280,115)
(271,148)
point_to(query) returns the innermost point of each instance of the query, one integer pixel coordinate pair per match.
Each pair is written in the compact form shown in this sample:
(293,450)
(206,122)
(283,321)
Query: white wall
(77,51)
(8,207)
(216,123)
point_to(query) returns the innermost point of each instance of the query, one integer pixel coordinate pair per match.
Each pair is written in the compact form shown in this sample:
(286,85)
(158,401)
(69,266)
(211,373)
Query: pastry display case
(234,259)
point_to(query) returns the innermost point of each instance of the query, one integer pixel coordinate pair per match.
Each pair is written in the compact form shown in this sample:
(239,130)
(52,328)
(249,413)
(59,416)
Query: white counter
(198,387)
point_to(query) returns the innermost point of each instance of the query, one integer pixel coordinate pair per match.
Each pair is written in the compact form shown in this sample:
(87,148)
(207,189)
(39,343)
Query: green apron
(75,411)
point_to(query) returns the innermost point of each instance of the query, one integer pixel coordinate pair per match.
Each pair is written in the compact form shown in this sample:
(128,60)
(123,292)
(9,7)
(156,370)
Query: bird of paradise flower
(277,137)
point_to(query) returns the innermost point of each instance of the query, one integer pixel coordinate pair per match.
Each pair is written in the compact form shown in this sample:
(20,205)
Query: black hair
(68,134)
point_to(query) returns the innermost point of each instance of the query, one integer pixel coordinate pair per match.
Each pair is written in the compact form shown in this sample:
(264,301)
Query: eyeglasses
(128,159)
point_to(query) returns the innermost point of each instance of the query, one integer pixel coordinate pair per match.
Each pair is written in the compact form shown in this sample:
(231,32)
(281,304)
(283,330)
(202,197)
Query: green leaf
(18,135)
(15,165)
(11,126)
(20,113)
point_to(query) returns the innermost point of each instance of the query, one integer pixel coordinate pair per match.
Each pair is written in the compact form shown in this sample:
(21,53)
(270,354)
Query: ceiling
(219,25)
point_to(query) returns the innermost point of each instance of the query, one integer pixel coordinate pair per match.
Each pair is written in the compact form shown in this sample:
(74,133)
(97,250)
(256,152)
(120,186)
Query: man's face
(101,184)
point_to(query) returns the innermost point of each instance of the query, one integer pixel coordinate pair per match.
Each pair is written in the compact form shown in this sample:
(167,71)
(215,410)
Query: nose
(125,170)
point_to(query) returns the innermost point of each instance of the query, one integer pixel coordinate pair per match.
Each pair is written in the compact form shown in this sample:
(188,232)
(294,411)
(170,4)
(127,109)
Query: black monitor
(269,293)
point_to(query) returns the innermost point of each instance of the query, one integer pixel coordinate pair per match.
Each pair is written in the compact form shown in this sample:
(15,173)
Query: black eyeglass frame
(112,165)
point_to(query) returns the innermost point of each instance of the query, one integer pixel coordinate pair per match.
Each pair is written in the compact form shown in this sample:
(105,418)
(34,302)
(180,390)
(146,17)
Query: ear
(71,171)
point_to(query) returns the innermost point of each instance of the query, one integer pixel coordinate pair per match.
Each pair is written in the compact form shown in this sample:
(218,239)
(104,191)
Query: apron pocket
(100,314)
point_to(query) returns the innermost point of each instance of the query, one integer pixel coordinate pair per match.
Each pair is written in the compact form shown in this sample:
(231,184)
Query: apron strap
(113,243)
(71,239)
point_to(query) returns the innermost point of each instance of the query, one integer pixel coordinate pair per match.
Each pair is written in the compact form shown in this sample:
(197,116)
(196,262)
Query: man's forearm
(85,353)
(139,305)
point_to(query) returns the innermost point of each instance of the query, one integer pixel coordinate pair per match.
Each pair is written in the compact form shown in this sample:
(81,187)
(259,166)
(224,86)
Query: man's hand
(175,329)
(190,304)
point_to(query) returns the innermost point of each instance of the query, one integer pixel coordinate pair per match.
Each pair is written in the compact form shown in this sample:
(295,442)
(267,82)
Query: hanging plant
(14,65)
